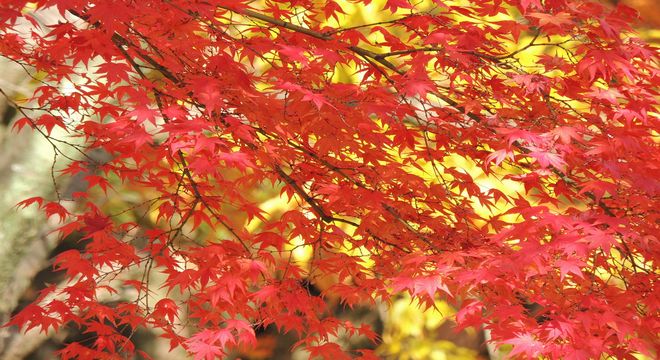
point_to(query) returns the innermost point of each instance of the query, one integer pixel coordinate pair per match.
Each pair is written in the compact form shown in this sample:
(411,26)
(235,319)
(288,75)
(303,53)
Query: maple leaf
(393,5)
(204,351)
(54,208)
(470,314)
(599,188)
(498,156)
(49,122)
(21,123)
(525,4)
(74,264)
(566,134)
(558,329)
(294,53)
(533,83)
(317,99)
(167,309)
(558,19)
(29,201)
(114,72)
(100,181)
(417,87)
(569,267)
(548,159)
(331,9)
(525,344)
(267,239)
(33,315)
(421,286)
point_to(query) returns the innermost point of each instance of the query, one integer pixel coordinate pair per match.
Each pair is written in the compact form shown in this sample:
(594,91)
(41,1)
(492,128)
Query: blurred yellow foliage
(412,333)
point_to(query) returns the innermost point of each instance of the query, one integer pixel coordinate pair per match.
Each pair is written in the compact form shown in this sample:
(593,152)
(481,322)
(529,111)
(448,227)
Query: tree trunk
(26,161)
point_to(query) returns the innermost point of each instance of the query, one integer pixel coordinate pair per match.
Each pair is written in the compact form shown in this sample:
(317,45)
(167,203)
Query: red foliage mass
(200,101)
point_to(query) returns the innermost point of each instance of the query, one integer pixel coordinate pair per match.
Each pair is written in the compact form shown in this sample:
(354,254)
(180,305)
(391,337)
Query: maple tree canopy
(492,153)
